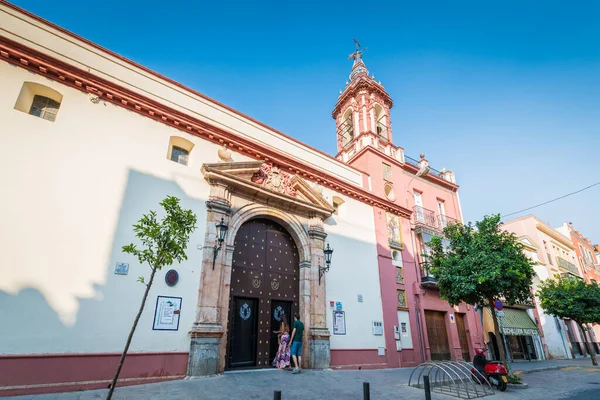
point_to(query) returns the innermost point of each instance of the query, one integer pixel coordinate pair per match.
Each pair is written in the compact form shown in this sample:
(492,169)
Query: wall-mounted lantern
(328,252)
(221,234)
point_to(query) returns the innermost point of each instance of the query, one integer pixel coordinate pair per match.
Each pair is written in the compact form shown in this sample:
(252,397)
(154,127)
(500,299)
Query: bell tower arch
(362,113)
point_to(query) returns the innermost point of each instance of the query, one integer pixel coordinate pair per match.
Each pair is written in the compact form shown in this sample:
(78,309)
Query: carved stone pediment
(263,182)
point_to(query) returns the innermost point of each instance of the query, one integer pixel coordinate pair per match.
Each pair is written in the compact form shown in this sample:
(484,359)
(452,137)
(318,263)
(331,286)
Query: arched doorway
(264,287)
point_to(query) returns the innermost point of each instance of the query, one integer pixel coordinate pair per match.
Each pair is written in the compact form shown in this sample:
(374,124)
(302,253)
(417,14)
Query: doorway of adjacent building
(264,286)
(462,337)
(437,335)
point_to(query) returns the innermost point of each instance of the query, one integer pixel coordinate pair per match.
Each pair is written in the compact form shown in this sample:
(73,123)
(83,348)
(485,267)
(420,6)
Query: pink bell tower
(362,114)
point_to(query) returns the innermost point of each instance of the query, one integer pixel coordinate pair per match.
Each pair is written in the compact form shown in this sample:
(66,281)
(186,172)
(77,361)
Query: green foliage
(480,264)
(570,297)
(514,379)
(164,241)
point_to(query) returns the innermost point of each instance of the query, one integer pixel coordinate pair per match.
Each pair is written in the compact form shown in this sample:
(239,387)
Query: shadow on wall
(102,321)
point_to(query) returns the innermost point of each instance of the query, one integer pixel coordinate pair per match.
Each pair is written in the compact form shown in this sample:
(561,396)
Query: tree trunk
(137,319)
(589,346)
(499,338)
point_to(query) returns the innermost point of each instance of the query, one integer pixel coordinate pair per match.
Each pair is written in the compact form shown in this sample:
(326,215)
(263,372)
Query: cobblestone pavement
(579,380)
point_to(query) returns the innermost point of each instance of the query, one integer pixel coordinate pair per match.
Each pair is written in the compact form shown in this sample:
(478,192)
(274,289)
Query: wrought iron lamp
(328,252)
(221,233)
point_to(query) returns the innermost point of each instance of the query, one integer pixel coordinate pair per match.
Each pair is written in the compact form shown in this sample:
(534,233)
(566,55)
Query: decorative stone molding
(274,179)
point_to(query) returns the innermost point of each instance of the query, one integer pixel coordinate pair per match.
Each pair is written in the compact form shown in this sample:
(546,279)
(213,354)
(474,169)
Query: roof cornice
(555,235)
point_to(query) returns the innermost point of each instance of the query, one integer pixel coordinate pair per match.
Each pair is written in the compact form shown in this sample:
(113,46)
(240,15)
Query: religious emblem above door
(264,182)
(264,291)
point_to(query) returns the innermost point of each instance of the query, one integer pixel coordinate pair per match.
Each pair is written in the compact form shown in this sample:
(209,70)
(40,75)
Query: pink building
(425,327)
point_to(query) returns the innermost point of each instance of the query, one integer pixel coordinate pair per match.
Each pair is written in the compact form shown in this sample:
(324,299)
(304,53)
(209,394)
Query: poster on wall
(394,230)
(339,322)
(166,314)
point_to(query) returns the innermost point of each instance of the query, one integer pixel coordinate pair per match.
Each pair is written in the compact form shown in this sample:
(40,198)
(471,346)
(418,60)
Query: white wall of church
(354,271)
(66,48)
(71,191)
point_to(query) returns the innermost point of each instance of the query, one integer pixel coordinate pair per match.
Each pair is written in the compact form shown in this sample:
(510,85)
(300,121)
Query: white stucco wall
(555,338)
(75,52)
(354,270)
(71,191)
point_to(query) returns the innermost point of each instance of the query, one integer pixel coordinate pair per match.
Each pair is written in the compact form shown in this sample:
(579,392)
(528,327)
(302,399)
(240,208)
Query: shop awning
(516,322)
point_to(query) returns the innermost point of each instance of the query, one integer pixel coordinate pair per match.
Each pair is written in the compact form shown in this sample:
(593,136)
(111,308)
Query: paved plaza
(569,379)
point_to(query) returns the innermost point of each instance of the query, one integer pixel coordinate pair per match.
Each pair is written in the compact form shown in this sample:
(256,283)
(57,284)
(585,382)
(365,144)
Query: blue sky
(505,94)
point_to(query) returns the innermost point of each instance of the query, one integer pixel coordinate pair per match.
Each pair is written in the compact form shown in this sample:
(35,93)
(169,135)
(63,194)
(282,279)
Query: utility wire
(550,201)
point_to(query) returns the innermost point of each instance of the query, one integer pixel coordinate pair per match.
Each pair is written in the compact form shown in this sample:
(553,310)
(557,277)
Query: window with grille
(550,259)
(44,107)
(179,155)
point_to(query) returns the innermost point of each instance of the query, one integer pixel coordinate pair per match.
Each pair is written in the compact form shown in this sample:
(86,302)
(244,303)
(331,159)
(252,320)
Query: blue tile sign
(338,305)
(122,268)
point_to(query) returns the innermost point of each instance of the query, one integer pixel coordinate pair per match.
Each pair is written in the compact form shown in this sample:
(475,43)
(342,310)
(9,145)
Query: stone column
(319,357)
(207,332)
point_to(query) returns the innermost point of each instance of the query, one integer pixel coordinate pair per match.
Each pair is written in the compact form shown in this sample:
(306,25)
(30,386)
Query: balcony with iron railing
(567,266)
(428,220)
(427,278)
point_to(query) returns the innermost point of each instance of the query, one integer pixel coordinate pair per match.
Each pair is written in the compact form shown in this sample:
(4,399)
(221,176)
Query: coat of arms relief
(275,179)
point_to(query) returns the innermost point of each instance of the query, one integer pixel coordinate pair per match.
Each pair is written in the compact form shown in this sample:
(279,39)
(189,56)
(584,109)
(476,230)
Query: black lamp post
(328,252)
(221,233)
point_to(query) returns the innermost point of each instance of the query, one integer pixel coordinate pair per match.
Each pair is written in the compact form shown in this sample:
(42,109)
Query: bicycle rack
(453,378)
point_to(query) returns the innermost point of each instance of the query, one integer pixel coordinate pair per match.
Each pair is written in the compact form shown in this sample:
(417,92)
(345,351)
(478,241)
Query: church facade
(95,140)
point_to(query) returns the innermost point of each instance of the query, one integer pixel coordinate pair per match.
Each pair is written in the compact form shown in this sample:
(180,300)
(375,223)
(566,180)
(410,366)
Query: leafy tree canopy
(570,297)
(479,265)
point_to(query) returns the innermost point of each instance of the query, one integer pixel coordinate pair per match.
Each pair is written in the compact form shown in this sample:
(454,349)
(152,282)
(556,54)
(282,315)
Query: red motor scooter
(494,371)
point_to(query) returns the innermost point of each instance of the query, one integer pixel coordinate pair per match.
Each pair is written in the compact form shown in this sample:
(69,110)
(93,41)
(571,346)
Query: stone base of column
(319,357)
(204,351)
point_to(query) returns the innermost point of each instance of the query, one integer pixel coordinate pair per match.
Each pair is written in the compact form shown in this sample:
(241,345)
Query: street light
(328,252)
(221,233)
(423,170)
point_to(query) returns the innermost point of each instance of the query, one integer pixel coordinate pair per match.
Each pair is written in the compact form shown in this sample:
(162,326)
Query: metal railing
(428,218)
(566,265)
(382,131)
(452,378)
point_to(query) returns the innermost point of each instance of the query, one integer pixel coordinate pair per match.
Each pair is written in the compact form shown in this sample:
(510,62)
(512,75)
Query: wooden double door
(437,335)
(264,289)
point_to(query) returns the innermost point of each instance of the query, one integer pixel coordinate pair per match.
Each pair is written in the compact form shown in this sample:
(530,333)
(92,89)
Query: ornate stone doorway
(264,288)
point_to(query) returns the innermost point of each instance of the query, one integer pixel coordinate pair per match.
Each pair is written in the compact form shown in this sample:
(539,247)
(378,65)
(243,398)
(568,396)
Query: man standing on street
(296,349)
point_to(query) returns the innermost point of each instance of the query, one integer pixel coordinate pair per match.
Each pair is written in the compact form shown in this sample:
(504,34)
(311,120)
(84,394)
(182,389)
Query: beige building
(554,254)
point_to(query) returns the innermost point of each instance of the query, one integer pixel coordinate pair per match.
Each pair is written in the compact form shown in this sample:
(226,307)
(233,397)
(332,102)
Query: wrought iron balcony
(428,220)
(427,279)
(567,266)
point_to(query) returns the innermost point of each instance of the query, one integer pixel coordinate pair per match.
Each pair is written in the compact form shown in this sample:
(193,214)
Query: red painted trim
(44,373)
(20,55)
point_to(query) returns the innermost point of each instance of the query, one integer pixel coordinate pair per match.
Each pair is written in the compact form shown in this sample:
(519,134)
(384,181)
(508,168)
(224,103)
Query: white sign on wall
(339,323)
(166,314)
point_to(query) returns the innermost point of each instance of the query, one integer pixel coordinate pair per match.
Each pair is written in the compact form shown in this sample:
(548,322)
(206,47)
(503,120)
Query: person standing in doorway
(296,349)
